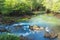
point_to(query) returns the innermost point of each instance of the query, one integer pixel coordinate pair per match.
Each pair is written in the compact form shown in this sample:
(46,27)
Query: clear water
(26,32)
(39,20)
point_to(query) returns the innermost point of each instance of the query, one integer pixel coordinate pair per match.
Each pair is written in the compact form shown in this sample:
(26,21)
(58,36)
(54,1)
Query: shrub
(8,37)
(23,6)
(7,6)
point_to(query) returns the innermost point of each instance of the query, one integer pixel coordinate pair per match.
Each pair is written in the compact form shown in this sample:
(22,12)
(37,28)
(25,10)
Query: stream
(26,32)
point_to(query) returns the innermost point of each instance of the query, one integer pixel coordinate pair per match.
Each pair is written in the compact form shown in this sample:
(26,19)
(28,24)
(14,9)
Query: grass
(8,37)
(22,19)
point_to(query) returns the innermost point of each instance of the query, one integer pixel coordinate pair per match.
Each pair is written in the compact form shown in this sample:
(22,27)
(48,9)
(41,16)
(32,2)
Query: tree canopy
(53,5)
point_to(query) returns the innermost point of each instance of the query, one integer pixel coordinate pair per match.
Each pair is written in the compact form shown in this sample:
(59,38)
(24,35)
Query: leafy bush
(37,4)
(7,6)
(9,37)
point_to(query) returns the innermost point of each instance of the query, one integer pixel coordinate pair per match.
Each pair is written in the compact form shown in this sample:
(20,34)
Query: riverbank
(9,20)
(13,19)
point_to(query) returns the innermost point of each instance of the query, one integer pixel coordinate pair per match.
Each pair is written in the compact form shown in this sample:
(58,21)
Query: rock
(53,35)
(4,30)
(31,27)
(18,26)
(24,38)
(21,37)
(50,35)
(36,28)
(47,35)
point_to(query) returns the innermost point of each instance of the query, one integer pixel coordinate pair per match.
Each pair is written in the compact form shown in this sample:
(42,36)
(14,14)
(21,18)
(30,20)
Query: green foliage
(7,6)
(53,5)
(8,37)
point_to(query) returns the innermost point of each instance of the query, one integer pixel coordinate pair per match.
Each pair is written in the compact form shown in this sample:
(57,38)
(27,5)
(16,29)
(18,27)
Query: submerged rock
(18,26)
(24,38)
(4,30)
